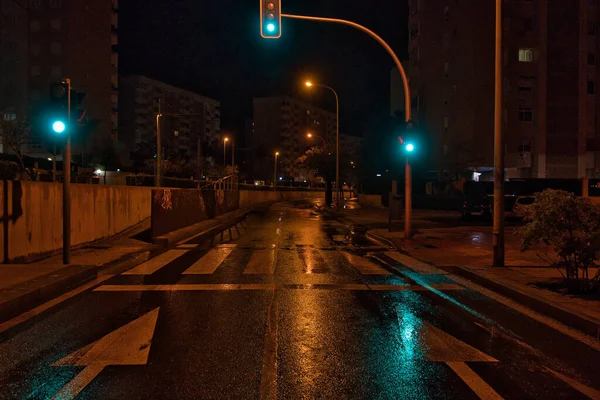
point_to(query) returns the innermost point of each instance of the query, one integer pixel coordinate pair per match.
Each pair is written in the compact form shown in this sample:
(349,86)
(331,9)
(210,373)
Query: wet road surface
(285,307)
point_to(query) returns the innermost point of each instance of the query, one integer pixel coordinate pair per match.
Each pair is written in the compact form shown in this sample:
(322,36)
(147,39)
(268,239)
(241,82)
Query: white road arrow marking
(128,345)
(435,345)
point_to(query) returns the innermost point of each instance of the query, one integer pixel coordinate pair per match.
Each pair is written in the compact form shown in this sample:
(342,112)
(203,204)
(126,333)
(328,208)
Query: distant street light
(275,171)
(310,84)
(225,140)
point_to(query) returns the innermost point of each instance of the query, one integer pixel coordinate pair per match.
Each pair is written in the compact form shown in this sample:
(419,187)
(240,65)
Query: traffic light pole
(498,230)
(67,183)
(408,190)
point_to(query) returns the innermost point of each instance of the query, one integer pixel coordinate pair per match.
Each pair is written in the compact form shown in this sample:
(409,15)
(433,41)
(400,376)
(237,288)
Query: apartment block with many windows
(78,40)
(550,77)
(191,122)
(282,124)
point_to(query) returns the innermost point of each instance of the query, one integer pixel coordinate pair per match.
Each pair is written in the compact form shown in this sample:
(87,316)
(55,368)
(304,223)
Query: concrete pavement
(288,307)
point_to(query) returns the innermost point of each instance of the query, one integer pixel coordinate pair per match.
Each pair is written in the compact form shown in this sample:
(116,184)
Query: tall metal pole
(498,231)
(158,145)
(67,183)
(337,149)
(275,172)
(54,164)
(233,156)
(407,99)
(224,152)
(408,200)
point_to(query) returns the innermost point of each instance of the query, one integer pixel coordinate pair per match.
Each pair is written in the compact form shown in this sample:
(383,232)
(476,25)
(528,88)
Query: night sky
(214,48)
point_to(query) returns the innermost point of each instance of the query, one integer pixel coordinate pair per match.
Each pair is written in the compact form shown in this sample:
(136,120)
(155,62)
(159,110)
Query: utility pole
(498,230)
(67,183)
(158,144)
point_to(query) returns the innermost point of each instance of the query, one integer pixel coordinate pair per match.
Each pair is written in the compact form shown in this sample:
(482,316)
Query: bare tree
(15,136)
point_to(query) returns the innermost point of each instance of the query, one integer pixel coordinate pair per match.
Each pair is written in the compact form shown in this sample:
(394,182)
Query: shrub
(571,225)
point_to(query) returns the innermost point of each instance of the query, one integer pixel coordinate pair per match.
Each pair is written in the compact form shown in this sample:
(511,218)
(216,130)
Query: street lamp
(275,171)
(225,140)
(310,84)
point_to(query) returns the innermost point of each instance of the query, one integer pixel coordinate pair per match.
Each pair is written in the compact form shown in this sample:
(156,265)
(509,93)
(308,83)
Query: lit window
(525,114)
(526,55)
(55,24)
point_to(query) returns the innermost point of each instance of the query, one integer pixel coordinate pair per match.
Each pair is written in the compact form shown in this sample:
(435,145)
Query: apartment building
(77,40)
(550,84)
(191,122)
(282,124)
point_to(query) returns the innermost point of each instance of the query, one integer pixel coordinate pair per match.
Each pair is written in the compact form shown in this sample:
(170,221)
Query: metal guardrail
(227,183)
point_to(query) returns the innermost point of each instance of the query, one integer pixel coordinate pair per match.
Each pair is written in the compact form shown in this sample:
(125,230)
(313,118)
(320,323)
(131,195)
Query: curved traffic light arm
(374,36)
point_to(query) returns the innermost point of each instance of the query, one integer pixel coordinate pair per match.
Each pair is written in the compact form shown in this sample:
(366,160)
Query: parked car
(522,207)
(480,205)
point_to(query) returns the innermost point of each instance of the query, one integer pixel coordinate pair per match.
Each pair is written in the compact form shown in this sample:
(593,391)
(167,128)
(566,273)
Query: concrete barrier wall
(32,215)
(253,197)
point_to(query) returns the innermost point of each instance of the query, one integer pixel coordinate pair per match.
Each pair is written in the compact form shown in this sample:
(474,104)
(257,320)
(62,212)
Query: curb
(31,294)
(585,325)
(39,290)
(588,326)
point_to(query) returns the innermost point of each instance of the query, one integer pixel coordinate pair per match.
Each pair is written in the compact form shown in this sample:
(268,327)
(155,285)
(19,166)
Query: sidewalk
(467,251)
(23,286)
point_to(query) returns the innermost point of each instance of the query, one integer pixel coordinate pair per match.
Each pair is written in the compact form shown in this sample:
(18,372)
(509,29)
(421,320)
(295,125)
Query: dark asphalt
(304,332)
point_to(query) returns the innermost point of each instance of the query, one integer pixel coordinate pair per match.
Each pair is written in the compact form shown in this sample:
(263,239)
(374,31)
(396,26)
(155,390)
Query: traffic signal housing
(59,104)
(270,19)
(408,140)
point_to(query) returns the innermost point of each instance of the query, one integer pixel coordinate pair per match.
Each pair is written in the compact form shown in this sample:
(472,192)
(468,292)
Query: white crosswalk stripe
(151,266)
(209,263)
(261,262)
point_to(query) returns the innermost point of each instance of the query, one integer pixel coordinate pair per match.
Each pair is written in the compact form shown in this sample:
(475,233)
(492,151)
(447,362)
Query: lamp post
(225,140)
(337,140)
(275,171)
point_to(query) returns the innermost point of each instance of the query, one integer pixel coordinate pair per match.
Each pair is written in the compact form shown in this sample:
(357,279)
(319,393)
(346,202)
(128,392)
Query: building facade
(550,84)
(282,124)
(77,40)
(190,126)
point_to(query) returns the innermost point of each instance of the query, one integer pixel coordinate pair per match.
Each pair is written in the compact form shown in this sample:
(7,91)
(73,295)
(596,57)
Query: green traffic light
(410,147)
(58,127)
(271,27)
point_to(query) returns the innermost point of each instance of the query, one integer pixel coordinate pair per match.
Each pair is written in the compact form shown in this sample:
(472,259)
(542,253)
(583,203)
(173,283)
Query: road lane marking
(365,266)
(268,286)
(49,304)
(580,387)
(474,381)
(128,345)
(442,347)
(268,376)
(415,265)
(553,324)
(209,262)
(154,264)
(261,262)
